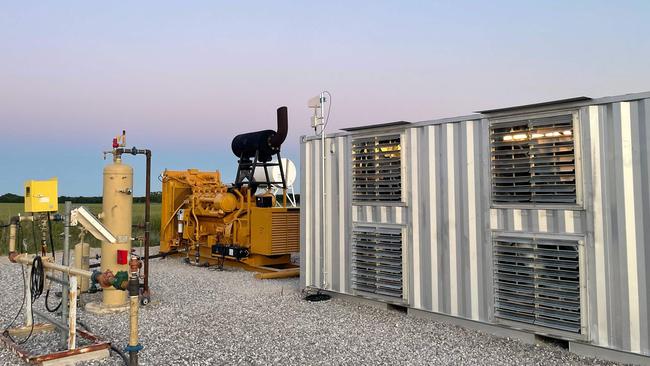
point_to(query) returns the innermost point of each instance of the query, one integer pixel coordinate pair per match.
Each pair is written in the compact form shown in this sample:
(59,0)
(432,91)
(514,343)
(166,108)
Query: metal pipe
(28,298)
(147,219)
(13,228)
(72,318)
(324,195)
(56,280)
(284,181)
(28,258)
(283,128)
(12,238)
(43,225)
(284,273)
(66,262)
(66,234)
(57,323)
(154,256)
(195,242)
(134,344)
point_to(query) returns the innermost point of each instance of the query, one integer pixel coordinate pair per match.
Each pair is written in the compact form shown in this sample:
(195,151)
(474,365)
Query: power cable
(34,233)
(47,293)
(49,229)
(317,297)
(329,110)
(47,304)
(113,347)
(22,305)
(38,278)
(121,353)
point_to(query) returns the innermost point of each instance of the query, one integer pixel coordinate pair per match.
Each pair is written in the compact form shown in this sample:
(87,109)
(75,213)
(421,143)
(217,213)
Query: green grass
(12,209)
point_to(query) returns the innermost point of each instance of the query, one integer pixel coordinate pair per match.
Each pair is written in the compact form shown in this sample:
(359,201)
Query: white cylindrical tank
(290,173)
(116,216)
(82,261)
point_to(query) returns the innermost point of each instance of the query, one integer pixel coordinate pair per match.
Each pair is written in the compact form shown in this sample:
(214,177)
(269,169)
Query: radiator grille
(285,232)
(377,260)
(376,168)
(533,160)
(537,281)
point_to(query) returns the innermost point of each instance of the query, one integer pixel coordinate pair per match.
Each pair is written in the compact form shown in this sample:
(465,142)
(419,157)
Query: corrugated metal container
(530,218)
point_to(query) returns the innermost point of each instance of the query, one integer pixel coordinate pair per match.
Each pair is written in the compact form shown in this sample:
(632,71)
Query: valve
(107,279)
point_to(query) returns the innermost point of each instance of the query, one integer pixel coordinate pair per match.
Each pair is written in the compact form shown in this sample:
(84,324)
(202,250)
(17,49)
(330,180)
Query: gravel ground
(199,316)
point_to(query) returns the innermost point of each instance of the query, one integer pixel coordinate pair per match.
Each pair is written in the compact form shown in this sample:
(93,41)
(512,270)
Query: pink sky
(183,79)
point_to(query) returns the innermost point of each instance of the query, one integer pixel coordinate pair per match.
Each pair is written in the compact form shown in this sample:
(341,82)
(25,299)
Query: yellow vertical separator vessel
(116,215)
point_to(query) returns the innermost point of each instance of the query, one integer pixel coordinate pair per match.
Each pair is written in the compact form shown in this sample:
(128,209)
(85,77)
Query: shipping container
(522,221)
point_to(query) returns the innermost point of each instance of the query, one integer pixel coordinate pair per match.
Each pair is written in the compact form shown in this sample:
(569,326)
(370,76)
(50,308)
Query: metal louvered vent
(533,160)
(377,260)
(376,169)
(537,281)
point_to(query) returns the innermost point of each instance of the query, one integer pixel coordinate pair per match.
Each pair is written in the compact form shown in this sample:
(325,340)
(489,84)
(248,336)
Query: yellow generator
(240,224)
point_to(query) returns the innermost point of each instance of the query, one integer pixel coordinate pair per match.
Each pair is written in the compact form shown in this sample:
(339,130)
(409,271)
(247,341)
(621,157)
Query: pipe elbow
(283,128)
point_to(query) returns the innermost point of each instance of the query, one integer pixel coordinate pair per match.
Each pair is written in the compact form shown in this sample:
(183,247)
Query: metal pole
(134,345)
(147,223)
(28,298)
(56,322)
(284,181)
(324,195)
(65,262)
(66,234)
(72,321)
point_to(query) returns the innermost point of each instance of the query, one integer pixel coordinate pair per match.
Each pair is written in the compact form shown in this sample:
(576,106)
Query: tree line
(156,197)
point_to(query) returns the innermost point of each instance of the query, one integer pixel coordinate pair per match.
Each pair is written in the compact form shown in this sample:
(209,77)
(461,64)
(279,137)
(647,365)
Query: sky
(184,77)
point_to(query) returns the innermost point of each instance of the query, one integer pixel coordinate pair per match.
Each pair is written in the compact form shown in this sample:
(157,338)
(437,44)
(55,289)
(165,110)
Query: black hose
(83,325)
(121,353)
(47,305)
(47,293)
(19,239)
(38,278)
(49,228)
(317,297)
(115,349)
(33,234)
(36,286)
(22,305)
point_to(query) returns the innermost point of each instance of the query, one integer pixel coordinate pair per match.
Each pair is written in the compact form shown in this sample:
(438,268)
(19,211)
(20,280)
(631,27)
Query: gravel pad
(200,316)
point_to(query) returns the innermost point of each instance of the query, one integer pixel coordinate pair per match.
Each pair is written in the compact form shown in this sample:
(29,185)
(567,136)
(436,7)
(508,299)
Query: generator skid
(239,224)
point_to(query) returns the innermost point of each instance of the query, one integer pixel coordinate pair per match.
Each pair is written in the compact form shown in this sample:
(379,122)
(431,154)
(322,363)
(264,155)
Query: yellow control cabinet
(41,196)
